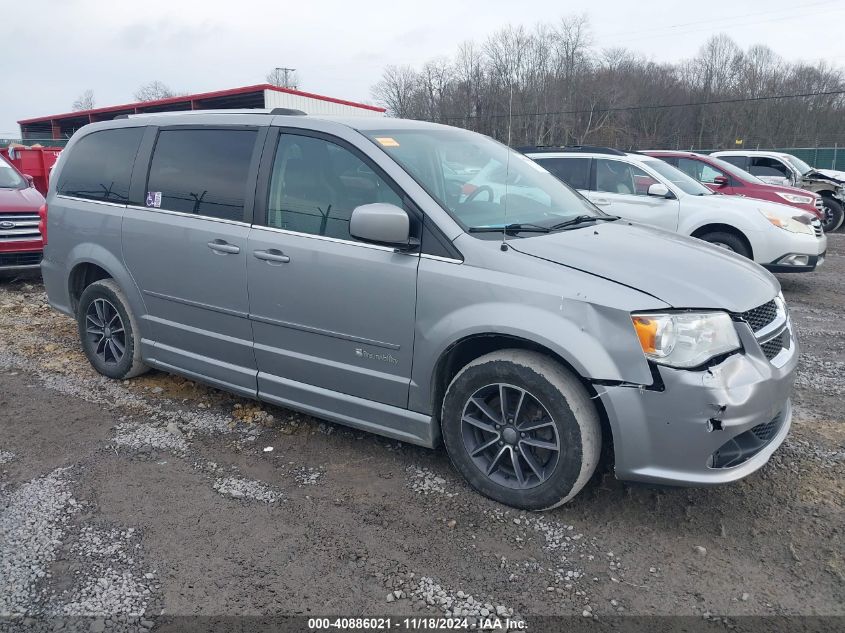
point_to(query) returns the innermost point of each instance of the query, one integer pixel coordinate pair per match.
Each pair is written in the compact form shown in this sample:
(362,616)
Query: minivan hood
(681,271)
(12,200)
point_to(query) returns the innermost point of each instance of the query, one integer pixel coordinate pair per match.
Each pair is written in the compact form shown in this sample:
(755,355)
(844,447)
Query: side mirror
(658,190)
(382,223)
(30,180)
(721,181)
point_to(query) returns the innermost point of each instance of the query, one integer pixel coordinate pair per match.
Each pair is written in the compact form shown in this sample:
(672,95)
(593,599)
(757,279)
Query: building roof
(232,97)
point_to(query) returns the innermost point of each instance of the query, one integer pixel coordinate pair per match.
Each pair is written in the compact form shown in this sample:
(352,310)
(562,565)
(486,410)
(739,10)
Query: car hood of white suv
(754,207)
(680,271)
(832,173)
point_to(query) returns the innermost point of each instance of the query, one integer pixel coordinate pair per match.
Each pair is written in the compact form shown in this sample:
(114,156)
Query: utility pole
(288,72)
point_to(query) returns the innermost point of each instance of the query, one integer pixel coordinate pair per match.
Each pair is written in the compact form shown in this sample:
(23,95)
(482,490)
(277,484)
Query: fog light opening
(794,260)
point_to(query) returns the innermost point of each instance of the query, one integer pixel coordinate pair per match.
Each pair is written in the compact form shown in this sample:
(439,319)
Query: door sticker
(154,199)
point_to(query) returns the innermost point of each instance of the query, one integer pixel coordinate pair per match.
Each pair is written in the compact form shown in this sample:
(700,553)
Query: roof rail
(288,112)
(590,149)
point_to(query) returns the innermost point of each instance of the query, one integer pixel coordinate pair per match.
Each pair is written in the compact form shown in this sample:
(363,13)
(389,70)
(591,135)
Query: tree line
(548,85)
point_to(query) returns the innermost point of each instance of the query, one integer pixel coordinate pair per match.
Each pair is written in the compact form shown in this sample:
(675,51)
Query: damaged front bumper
(705,427)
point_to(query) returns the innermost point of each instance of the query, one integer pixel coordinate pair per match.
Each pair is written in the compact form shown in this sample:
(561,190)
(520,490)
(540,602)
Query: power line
(729,19)
(646,107)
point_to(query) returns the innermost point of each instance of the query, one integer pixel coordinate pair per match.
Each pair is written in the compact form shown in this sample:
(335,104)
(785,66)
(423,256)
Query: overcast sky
(52,50)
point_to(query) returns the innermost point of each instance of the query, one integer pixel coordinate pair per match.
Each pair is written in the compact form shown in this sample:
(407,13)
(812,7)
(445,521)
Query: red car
(20,239)
(722,177)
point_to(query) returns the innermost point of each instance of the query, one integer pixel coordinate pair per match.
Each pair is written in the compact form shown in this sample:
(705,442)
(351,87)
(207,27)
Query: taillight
(42,223)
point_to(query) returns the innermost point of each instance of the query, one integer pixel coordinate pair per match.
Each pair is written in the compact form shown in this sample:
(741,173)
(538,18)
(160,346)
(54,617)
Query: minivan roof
(354,122)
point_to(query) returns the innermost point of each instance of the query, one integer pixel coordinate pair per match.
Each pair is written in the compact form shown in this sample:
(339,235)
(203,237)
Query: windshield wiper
(510,228)
(581,219)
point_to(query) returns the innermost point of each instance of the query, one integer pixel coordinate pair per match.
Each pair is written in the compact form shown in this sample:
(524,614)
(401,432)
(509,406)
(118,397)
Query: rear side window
(99,166)
(575,172)
(201,171)
(739,161)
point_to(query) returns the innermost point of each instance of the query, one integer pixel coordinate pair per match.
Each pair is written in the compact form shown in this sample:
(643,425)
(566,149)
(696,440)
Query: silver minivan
(348,268)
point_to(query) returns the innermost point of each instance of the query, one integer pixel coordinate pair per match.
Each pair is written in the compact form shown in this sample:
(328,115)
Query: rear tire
(546,443)
(108,331)
(834,214)
(728,241)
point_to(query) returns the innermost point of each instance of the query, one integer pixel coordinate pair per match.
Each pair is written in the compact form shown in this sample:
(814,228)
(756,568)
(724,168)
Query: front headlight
(795,224)
(685,339)
(795,198)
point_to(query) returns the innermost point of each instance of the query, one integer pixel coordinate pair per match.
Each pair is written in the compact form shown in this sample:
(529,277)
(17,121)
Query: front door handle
(601,202)
(273,256)
(223,247)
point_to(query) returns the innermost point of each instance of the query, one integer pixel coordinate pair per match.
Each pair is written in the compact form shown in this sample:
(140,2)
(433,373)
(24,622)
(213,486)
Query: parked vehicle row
(646,189)
(779,168)
(430,284)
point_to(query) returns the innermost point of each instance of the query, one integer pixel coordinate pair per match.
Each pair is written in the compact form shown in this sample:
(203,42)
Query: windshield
(678,178)
(480,182)
(10,178)
(799,164)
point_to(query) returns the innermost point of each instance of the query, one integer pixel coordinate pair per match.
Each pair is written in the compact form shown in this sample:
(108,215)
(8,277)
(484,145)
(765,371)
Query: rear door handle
(272,256)
(601,202)
(223,247)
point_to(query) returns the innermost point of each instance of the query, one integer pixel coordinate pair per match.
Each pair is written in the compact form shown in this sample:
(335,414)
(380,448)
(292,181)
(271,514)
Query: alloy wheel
(105,331)
(510,436)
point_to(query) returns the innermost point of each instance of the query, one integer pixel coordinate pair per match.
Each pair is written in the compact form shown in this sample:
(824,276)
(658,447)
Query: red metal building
(62,126)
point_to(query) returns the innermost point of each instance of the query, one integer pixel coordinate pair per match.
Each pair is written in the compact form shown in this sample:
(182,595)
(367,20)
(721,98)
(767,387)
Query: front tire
(521,429)
(728,241)
(834,214)
(108,331)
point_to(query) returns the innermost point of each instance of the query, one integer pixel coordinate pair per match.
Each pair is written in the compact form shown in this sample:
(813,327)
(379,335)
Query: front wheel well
(466,350)
(724,228)
(82,276)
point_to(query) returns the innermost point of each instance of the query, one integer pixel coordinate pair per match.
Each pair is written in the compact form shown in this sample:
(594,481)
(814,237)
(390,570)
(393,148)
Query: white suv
(648,190)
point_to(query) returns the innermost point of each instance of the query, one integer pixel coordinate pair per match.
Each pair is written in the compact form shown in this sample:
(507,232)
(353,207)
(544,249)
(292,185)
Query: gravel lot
(159,496)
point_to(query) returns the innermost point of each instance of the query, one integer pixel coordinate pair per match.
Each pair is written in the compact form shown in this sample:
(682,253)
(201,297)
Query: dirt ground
(159,496)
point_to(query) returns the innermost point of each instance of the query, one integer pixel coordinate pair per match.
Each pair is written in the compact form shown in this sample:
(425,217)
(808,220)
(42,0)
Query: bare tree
(547,85)
(85,101)
(396,90)
(283,77)
(153,91)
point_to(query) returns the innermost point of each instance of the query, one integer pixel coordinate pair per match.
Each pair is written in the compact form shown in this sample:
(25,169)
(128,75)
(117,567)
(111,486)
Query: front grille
(16,227)
(761,316)
(818,203)
(772,347)
(19,259)
(817,227)
(766,431)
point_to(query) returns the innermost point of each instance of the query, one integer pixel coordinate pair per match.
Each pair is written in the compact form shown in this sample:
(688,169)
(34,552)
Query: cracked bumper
(666,437)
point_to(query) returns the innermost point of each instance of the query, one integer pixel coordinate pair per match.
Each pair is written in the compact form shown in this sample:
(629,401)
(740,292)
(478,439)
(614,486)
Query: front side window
(677,178)
(480,182)
(201,171)
(316,184)
(99,166)
(701,171)
(764,166)
(575,172)
(614,176)
(9,177)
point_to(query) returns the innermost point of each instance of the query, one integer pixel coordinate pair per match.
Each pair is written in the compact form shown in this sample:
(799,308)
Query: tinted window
(614,176)
(99,166)
(316,184)
(575,172)
(762,166)
(739,161)
(201,171)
